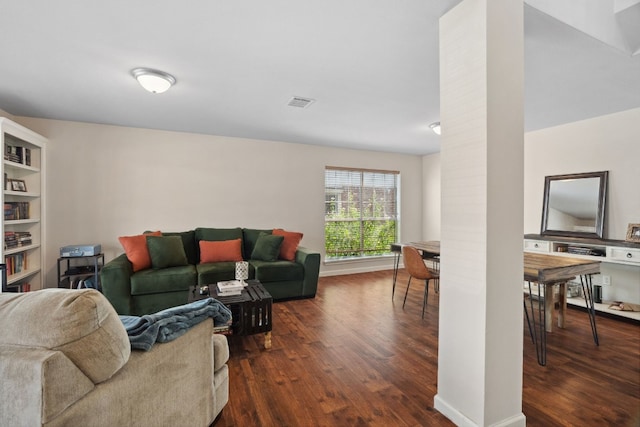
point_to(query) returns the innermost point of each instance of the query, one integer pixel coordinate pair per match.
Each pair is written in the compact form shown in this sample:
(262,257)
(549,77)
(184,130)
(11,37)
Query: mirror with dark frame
(574,205)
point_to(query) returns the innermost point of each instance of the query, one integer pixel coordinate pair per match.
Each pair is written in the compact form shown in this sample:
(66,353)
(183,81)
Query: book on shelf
(14,239)
(18,287)
(16,263)
(18,154)
(16,210)
(13,153)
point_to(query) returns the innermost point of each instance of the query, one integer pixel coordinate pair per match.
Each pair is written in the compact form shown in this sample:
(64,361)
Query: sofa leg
(267,339)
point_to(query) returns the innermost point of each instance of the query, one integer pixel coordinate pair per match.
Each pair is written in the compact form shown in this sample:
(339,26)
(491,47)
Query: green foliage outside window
(349,234)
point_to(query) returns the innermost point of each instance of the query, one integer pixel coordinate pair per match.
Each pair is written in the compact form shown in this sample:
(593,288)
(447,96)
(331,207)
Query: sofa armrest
(171,384)
(37,385)
(311,263)
(115,279)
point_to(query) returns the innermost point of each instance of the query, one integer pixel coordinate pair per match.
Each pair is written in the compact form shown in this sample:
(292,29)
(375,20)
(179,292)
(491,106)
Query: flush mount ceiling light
(153,80)
(435,127)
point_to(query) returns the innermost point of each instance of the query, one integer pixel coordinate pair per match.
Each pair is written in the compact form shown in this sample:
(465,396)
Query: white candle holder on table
(242,271)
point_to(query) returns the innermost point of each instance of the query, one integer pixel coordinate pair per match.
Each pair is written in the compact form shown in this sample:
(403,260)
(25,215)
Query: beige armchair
(65,360)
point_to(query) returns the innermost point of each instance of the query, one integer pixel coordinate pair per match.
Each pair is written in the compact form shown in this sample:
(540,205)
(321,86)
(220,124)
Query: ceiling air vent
(300,102)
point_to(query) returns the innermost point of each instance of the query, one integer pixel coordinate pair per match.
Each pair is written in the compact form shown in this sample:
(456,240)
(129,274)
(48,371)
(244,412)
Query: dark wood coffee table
(251,310)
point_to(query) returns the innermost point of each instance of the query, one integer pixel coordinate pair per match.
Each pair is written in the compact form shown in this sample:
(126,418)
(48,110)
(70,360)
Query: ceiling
(370,65)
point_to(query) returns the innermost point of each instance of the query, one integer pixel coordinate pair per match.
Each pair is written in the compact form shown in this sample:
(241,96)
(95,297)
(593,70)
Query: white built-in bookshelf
(23,196)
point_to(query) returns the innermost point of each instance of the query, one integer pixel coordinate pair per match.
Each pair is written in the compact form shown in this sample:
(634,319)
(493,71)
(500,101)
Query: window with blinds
(361,212)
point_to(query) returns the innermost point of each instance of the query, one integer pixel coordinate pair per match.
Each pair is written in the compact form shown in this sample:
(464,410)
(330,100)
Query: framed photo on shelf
(633,233)
(17,185)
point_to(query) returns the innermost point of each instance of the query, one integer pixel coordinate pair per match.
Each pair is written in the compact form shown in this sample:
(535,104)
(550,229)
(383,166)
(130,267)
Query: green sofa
(151,290)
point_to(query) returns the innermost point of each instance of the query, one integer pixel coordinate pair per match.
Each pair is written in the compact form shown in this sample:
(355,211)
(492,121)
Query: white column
(481,325)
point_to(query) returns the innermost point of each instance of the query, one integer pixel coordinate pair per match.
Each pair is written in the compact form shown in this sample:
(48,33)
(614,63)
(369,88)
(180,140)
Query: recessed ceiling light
(153,80)
(435,127)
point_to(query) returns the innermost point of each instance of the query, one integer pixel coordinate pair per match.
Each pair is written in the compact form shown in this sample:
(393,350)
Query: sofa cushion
(87,328)
(164,280)
(289,244)
(166,251)
(217,234)
(267,247)
(189,243)
(277,271)
(220,351)
(136,249)
(224,250)
(215,272)
(249,239)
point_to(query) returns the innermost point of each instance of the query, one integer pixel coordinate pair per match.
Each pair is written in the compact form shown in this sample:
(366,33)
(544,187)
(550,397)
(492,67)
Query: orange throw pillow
(136,249)
(220,251)
(289,244)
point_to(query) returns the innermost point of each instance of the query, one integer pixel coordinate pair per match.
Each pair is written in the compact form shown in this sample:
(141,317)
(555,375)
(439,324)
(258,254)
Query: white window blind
(361,212)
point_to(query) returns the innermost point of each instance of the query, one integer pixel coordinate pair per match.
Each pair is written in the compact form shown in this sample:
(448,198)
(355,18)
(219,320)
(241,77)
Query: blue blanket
(169,324)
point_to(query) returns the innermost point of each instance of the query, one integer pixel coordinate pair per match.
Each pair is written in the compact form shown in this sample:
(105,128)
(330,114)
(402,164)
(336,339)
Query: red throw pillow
(136,249)
(220,251)
(289,244)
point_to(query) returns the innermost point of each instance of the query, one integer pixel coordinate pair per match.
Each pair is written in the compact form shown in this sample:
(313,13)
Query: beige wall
(608,142)
(107,181)
(7,115)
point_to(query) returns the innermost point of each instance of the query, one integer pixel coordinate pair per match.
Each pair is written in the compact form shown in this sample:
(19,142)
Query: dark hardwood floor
(352,357)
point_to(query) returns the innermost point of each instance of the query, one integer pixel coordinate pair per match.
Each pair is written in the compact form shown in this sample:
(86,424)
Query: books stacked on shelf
(230,287)
(16,263)
(13,153)
(18,287)
(18,154)
(16,210)
(585,251)
(15,239)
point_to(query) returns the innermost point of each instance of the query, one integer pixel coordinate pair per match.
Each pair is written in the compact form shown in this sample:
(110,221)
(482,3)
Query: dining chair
(435,261)
(416,267)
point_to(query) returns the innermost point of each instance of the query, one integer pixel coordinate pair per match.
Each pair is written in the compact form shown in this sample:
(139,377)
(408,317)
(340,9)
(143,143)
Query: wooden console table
(616,255)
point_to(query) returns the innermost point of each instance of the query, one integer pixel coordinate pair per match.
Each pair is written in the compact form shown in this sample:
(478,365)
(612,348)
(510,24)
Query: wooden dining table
(544,270)
(429,250)
(551,270)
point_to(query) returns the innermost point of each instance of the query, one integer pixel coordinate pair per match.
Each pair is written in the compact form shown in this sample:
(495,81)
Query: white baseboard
(518,420)
(353,270)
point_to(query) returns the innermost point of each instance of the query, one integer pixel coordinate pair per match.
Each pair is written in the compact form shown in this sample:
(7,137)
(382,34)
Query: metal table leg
(587,291)
(396,265)
(526,313)
(538,334)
